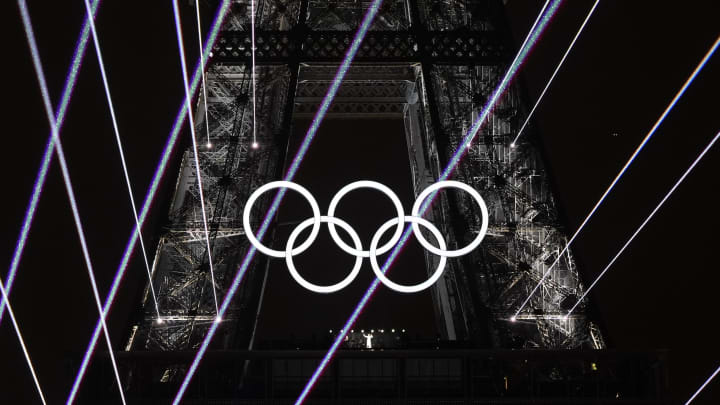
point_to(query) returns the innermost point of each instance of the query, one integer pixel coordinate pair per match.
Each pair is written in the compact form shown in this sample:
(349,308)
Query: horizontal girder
(440,47)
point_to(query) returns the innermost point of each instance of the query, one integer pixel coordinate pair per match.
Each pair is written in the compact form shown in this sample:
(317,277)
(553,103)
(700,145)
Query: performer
(368,341)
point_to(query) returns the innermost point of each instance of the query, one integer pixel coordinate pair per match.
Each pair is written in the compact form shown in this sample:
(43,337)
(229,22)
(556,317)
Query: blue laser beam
(149,198)
(645,222)
(557,69)
(702,387)
(649,135)
(544,17)
(70,80)
(312,130)
(40,74)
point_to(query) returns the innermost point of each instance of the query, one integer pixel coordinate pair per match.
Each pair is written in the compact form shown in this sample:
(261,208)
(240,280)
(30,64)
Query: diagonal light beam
(649,135)
(544,17)
(70,80)
(22,342)
(702,387)
(188,97)
(66,176)
(309,136)
(150,196)
(204,86)
(103,73)
(552,77)
(252,74)
(645,222)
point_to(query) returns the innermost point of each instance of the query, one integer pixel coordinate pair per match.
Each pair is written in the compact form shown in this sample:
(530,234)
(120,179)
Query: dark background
(625,69)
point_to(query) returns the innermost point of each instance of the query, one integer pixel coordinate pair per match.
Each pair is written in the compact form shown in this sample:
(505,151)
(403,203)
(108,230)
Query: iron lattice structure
(432,63)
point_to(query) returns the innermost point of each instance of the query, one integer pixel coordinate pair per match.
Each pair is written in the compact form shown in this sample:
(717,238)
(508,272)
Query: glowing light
(20,338)
(557,69)
(627,164)
(40,74)
(159,172)
(702,387)
(198,174)
(645,222)
(159,321)
(513,319)
(70,80)
(209,146)
(255,145)
(218,319)
(541,22)
(252,74)
(512,145)
(103,73)
(202,62)
(319,115)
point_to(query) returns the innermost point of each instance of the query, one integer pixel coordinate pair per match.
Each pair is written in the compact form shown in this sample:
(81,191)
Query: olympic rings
(415,219)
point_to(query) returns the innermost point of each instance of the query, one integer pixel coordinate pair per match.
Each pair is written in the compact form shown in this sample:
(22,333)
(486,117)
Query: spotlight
(159,321)
(218,319)
(512,145)
(513,319)
(255,145)
(209,145)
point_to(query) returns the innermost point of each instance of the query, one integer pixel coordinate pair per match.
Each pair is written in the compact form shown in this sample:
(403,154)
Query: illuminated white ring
(483,209)
(319,288)
(292,186)
(375,186)
(399,287)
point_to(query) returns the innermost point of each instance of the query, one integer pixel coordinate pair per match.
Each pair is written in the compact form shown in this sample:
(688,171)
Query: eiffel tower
(431,63)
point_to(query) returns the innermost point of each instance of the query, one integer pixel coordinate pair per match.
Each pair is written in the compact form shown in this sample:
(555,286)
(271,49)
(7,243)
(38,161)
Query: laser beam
(645,222)
(22,342)
(544,17)
(70,80)
(103,73)
(202,62)
(30,35)
(557,69)
(312,130)
(702,387)
(150,196)
(191,124)
(649,135)
(252,74)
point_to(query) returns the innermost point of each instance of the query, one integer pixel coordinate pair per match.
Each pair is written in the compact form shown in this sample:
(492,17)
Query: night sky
(625,69)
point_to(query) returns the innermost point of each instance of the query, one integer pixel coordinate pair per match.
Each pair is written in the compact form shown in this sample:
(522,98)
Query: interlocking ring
(399,287)
(292,186)
(318,288)
(376,186)
(374,250)
(474,194)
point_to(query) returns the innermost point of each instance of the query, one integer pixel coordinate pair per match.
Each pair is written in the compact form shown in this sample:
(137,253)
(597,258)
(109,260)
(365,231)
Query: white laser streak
(622,171)
(557,69)
(202,74)
(39,72)
(181,48)
(22,341)
(649,217)
(252,74)
(103,73)
(702,387)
